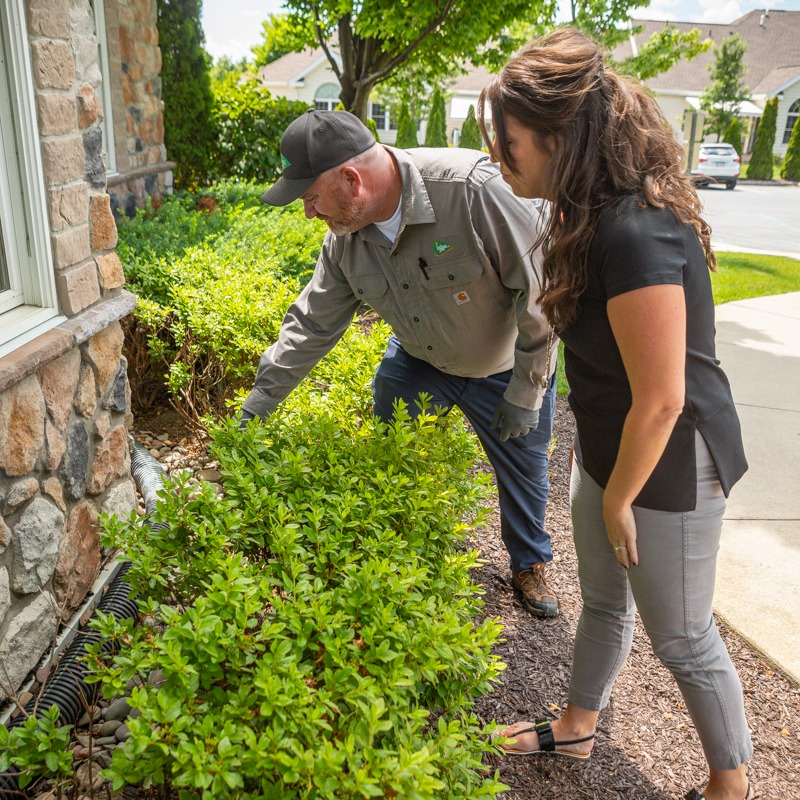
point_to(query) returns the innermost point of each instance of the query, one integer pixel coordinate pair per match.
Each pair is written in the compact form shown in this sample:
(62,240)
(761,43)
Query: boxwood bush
(319,637)
(214,273)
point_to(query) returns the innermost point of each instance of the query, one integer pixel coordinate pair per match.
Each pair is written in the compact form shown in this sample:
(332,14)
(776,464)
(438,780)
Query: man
(435,241)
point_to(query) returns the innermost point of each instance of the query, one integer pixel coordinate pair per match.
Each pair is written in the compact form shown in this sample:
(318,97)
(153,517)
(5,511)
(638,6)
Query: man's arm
(311,328)
(507,227)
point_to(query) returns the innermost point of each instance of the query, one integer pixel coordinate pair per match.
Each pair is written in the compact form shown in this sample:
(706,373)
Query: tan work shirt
(458,285)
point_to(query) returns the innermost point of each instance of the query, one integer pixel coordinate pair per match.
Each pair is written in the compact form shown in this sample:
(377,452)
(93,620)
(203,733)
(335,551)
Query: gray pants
(672,587)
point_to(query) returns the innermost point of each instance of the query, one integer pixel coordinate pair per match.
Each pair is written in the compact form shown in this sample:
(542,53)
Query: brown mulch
(646,745)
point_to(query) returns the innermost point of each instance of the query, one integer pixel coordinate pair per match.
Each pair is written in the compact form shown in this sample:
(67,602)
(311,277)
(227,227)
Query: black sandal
(547,742)
(695,795)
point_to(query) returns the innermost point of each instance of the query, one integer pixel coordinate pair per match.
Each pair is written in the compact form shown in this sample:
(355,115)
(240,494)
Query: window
(791,118)
(27,288)
(384,119)
(326,98)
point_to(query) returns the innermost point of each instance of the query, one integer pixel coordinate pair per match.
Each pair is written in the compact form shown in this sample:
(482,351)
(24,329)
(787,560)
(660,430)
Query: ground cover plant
(318,633)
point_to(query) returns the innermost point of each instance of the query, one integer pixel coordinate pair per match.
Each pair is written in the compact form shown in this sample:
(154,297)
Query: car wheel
(731,184)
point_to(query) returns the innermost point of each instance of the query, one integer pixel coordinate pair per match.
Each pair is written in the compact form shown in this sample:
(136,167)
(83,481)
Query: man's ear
(351,179)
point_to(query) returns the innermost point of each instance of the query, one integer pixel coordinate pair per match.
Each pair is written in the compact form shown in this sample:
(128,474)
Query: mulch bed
(646,745)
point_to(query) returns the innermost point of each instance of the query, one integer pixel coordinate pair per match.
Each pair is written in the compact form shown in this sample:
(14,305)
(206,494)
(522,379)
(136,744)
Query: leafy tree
(608,22)
(189,132)
(280,35)
(225,65)
(733,135)
(471,132)
(378,37)
(250,123)
(724,96)
(790,169)
(761,163)
(436,130)
(406,129)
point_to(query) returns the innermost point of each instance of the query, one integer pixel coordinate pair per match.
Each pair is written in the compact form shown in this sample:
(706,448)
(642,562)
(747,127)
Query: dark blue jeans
(520,464)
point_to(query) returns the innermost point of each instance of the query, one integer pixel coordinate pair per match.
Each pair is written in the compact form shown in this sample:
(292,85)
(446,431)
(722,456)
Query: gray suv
(717,162)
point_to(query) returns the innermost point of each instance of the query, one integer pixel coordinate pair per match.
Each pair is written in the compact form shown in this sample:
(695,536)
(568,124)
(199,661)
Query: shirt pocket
(369,287)
(456,272)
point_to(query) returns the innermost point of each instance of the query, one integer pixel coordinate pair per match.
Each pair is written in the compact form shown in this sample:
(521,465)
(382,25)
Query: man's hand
(244,418)
(513,420)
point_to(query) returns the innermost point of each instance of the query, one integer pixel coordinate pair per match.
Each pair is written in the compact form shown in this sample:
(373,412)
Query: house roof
(772,57)
(293,67)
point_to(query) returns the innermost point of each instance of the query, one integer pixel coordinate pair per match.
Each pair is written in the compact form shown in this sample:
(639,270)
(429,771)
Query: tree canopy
(761,162)
(377,37)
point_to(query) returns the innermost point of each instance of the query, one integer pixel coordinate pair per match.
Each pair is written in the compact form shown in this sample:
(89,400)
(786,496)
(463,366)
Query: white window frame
(324,100)
(30,305)
(791,118)
(105,86)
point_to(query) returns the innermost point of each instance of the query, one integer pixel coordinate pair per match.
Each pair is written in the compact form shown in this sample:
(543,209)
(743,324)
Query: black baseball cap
(314,143)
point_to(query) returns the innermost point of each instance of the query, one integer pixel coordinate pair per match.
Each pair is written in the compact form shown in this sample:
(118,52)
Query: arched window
(326,98)
(791,118)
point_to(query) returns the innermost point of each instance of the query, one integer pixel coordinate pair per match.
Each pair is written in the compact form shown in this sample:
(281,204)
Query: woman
(626,286)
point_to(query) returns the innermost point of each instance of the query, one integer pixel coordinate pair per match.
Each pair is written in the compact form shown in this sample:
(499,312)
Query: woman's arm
(649,325)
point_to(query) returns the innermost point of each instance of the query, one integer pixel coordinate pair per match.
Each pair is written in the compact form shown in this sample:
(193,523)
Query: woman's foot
(714,793)
(548,738)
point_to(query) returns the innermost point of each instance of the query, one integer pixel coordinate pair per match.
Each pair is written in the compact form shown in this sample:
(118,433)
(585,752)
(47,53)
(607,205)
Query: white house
(772,60)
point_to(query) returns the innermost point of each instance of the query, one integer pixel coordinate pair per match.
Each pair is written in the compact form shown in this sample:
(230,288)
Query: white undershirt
(391,227)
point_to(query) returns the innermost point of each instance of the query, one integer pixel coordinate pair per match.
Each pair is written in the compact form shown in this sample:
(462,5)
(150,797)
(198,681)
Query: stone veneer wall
(64,396)
(135,65)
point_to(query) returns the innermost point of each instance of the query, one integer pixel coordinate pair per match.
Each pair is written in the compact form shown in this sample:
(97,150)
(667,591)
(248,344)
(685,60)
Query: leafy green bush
(790,169)
(250,123)
(733,135)
(761,164)
(189,132)
(39,748)
(471,132)
(214,275)
(436,131)
(319,639)
(406,129)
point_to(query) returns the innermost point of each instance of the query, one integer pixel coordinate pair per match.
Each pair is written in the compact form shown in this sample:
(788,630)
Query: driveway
(753,217)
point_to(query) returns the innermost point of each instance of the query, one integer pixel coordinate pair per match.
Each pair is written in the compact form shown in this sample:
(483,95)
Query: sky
(232,27)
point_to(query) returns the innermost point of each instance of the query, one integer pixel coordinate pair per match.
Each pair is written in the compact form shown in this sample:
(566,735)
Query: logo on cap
(285,162)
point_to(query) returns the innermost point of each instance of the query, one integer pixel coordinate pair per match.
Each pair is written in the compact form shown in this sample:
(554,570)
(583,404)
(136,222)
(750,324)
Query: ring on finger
(618,547)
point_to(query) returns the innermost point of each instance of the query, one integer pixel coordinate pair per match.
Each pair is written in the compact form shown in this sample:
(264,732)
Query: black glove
(245,417)
(513,420)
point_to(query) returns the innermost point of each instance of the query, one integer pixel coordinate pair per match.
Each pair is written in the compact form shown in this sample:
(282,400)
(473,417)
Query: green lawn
(743,275)
(739,276)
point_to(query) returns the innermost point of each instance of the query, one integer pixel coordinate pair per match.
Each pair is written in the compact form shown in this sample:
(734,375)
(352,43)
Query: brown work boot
(535,592)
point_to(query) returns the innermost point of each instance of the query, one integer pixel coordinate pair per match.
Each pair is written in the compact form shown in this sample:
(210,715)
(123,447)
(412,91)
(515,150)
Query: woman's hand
(621,531)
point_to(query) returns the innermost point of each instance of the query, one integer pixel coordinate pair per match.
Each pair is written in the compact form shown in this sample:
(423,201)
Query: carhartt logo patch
(284,161)
(461,298)
(440,248)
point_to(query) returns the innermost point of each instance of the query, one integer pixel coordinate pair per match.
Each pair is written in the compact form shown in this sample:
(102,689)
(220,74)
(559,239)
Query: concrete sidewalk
(758,579)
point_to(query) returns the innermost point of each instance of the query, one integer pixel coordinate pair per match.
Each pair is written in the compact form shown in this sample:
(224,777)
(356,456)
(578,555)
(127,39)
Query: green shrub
(471,132)
(319,639)
(406,129)
(373,127)
(189,133)
(39,748)
(436,131)
(250,123)
(790,169)
(761,162)
(214,275)
(733,135)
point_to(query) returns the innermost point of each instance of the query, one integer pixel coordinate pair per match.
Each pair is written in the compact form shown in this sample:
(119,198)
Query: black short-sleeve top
(634,247)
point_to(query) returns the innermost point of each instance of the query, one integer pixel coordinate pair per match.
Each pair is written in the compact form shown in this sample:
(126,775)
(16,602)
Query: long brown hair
(610,140)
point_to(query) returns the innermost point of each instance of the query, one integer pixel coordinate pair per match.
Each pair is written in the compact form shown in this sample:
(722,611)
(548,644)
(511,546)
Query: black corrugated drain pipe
(67,688)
